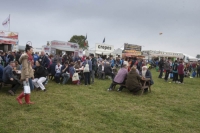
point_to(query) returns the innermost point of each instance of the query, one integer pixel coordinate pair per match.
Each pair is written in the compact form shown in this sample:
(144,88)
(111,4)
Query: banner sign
(133,52)
(132,47)
(104,48)
(64,44)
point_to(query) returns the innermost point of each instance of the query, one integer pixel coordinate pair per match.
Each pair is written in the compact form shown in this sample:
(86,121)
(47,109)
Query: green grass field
(77,109)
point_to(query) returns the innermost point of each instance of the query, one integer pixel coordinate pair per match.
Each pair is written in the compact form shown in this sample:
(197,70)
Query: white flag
(6,22)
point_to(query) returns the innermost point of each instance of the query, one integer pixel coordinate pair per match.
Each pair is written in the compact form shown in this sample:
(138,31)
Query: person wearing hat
(40,76)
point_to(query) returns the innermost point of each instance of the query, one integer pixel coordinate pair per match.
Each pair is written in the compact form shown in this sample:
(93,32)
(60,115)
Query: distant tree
(80,40)
(198,56)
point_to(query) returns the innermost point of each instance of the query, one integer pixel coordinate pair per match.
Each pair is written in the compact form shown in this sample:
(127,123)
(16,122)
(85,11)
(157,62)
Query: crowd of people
(177,70)
(38,69)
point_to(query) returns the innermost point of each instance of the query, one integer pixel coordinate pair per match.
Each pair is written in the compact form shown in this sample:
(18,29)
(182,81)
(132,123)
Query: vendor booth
(158,54)
(132,50)
(8,41)
(60,48)
(104,50)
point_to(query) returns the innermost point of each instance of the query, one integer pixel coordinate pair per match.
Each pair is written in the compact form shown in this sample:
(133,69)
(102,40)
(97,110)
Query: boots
(19,98)
(27,99)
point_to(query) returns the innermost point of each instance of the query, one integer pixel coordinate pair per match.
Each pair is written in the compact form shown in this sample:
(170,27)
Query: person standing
(35,57)
(175,71)
(161,64)
(167,69)
(87,70)
(198,70)
(26,72)
(94,67)
(44,60)
(181,71)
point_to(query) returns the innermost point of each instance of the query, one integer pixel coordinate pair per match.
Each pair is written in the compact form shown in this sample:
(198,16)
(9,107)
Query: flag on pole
(6,22)
(104,40)
(86,42)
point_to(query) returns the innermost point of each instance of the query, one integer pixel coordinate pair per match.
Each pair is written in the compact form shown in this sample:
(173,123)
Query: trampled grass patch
(69,108)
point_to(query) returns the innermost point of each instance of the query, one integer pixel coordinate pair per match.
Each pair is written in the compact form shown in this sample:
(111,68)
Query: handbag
(75,77)
(86,68)
(27,89)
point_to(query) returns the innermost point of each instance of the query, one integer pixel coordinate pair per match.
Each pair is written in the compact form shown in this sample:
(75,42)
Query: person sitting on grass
(133,81)
(52,69)
(39,76)
(65,73)
(9,78)
(58,72)
(108,70)
(101,70)
(120,77)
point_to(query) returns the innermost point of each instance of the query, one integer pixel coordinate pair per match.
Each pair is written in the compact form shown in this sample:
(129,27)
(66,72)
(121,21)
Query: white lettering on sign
(104,47)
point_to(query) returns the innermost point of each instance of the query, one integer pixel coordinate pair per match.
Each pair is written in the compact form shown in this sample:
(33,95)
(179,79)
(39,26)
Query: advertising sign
(7,37)
(64,44)
(47,49)
(132,47)
(104,48)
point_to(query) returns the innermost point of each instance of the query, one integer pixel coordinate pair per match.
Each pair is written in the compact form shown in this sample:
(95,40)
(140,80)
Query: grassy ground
(69,108)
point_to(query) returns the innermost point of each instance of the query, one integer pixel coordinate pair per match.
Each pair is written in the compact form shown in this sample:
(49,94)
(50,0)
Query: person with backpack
(175,71)
(87,70)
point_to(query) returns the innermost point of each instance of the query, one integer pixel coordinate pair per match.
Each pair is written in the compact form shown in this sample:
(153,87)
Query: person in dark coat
(52,68)
(133,81)
(9,78)
(108,70)
(1,73)
(44,60)
(101,70)
(39,76)
(161,65)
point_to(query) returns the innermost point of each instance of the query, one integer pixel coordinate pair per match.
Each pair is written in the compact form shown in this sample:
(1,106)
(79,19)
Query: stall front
(150,54)
(61,47)
(8,41)
(104,50)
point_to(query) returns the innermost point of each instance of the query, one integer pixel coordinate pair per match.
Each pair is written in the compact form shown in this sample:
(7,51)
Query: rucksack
(175,67)
(86,68)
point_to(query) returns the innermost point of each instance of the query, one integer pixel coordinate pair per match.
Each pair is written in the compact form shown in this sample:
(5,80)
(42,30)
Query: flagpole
(9,22)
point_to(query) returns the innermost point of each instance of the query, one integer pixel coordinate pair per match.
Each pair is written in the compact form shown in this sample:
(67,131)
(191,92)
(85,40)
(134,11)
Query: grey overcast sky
(119,21)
